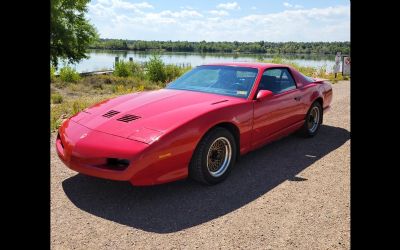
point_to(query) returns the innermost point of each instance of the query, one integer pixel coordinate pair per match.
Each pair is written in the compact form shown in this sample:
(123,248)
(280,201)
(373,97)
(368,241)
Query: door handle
(297,98)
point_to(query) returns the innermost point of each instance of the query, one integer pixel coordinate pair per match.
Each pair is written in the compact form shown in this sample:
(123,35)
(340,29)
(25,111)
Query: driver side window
(277,80)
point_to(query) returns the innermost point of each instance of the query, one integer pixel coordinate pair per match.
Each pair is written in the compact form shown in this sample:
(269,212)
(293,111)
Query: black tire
(307,130)
(198,167)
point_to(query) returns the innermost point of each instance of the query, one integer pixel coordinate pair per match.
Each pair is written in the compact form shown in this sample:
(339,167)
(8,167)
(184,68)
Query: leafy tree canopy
(70,32)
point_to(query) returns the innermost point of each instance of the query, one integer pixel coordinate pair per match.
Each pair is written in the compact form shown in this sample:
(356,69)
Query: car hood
(146,116)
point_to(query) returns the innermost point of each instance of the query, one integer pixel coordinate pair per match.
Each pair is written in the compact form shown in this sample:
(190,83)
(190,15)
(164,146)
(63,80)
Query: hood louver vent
(128,118)
(219,102)
(111,113)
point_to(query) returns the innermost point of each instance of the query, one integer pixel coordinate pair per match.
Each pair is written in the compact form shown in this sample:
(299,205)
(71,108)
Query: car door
(281,110)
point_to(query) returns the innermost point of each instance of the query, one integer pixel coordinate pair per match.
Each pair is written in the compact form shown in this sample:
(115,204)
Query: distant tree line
(242,47)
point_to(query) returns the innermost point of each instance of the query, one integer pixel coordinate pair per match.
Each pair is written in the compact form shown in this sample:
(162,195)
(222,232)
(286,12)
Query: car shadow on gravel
(175,206)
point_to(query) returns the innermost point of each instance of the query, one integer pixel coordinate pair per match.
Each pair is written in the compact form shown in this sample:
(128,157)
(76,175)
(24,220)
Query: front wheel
(313,120)
(214,157)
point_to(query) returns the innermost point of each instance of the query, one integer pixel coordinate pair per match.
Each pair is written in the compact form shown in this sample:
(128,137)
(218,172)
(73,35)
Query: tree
(70,32)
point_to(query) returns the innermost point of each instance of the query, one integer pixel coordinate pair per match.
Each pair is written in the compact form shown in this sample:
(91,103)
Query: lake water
(104,59)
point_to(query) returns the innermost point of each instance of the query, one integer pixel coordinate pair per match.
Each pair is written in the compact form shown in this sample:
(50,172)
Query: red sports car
(197,126)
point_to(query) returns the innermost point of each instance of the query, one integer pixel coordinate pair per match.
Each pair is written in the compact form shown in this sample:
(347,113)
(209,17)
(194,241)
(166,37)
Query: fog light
(116,163)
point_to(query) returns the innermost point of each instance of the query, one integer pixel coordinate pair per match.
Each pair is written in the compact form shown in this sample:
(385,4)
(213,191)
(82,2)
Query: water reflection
(104,59)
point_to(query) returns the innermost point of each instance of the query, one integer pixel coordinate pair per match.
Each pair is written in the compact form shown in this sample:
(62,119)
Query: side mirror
(263,94)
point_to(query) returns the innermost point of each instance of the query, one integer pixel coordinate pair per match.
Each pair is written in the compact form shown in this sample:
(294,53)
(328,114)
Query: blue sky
(231,20)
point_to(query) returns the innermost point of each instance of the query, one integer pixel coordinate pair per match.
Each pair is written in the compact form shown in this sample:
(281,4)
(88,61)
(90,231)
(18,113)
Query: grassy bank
(68,98)
(71,93)
(318,72)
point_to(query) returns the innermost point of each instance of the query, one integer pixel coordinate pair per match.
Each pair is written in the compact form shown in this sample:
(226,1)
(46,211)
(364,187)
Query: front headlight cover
(145,135)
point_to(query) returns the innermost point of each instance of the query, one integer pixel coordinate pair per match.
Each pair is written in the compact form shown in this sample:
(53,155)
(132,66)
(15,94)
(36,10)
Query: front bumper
(87,151)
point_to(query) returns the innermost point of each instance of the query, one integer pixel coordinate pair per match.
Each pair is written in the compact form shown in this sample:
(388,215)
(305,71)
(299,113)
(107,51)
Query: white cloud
(219,12)
(109,8)
(130,6)
(180,14)
(104,1)
(229,6)
(100,9)
(187,7)
(289,5)
(316,24)
(143,5)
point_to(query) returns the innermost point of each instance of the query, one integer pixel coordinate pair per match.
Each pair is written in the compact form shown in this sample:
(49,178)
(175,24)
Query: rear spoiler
(319,80)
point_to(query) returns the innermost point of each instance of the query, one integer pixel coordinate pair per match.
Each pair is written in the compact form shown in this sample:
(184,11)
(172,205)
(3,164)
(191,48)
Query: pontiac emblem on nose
(83,136)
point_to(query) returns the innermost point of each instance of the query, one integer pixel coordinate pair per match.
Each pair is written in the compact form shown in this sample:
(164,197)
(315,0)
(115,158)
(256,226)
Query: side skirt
(278,135)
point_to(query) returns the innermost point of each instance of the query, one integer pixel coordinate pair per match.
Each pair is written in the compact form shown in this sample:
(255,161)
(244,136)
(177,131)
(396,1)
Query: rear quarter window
(307,78)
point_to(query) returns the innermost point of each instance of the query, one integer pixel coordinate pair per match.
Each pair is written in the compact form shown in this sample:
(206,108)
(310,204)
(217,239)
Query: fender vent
(128,118)
(111,113)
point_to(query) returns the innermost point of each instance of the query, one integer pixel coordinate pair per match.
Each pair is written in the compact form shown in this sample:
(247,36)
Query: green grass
(60,112)
(56,98)
(69,98)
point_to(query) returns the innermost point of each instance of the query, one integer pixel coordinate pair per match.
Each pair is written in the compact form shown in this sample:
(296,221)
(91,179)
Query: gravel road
(291,194)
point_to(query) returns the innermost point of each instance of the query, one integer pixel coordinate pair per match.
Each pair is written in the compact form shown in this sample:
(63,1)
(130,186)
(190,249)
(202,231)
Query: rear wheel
(214,157)
(313,120)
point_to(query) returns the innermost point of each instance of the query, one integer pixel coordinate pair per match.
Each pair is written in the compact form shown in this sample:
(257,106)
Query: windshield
(224,80)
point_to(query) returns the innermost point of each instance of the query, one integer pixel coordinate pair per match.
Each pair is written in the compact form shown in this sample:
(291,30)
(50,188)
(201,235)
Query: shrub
(172,72)
(52,73)
(156,69)
(56,98)
(136,69)
(125,69)
(122,69)
(68,74)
